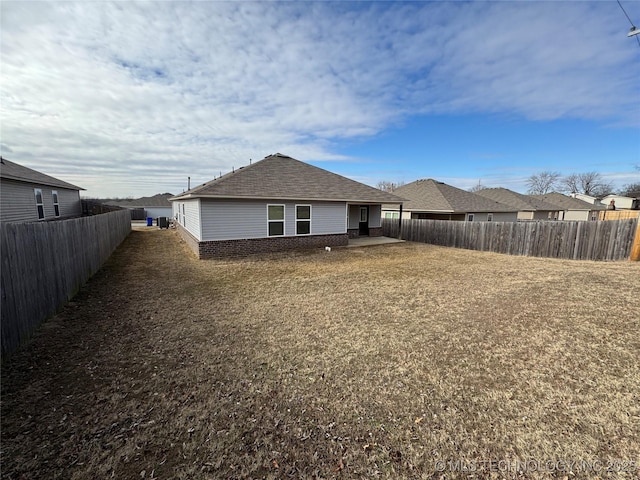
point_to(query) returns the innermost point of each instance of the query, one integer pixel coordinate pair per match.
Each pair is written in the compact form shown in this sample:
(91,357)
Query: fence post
(635,247)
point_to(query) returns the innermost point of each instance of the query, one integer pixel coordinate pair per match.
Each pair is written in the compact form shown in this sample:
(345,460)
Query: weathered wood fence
(601,240)
(45,263)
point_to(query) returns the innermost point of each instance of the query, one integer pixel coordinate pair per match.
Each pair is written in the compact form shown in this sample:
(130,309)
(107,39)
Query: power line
(633,27)
(625,12)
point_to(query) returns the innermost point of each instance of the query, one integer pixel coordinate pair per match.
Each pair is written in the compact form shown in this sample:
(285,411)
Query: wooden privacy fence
(618,214)
(45,263)
(602,240)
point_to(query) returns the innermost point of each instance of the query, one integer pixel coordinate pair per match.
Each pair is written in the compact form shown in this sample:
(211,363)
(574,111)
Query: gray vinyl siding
(243,219)
(156,212)
(580,215)
(18,202)
(191,219)
(503,216)
(375,216)
(354,216)
(68,200)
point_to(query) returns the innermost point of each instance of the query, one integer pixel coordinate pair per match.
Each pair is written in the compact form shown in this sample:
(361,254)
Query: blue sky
(128,99)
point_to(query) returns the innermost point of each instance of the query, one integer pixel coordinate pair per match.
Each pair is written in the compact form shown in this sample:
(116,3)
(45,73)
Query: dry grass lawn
(380,362)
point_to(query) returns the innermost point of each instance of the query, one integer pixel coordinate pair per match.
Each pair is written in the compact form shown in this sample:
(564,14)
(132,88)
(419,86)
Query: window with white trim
(470,217)
(303,219)
(39,202)
(489,217)
(56,205)
(392,215)
(275,220)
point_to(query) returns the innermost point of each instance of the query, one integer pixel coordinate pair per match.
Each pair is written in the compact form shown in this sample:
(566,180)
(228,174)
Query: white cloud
(130,98)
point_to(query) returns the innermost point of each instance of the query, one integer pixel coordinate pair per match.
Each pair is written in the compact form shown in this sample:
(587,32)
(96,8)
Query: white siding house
(276,204)
(28,195)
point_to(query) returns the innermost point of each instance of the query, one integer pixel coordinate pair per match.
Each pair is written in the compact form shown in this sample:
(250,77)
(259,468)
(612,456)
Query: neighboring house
(430,199)
(528,207)
(28,195)
(621,202)
(586,198)
(277,204)
(571,208)
(154,207)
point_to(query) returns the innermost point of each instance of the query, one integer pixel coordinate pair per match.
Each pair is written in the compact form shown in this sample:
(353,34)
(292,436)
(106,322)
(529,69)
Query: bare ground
(380,362)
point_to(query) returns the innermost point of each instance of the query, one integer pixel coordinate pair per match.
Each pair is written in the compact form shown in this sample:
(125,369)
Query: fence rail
(601,240)
(45,263)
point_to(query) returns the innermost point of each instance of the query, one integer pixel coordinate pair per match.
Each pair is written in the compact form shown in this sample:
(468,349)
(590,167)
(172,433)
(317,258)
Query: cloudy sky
(128,99)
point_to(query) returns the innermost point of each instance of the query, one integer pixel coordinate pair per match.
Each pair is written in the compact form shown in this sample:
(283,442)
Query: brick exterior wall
(373,232)
(241,248)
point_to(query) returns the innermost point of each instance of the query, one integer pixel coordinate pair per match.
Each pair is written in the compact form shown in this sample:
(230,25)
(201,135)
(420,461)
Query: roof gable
(281,177)
(432,196)
(516,200)
(12,171)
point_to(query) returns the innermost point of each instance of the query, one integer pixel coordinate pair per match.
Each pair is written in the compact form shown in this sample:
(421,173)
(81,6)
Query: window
(489,217)
(394,215)
(303,219)
(470,218)
(275,218)
(56,205)
(39,202)
(363,214)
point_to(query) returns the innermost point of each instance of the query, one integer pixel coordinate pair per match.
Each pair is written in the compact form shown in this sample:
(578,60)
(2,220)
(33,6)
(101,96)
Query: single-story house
(144,207)
(277,204)
(528,207)
(28,195)
(586,198)
(571,208)
(430,199)
(621,202)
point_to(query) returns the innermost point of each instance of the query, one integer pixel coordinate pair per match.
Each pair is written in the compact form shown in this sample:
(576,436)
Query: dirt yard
(397,361)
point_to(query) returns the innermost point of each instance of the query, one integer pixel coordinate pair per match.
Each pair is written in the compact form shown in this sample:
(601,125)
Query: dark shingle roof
(159,200)
(432,196)
(280,177)
(564,202)
(517,200)
(12,171)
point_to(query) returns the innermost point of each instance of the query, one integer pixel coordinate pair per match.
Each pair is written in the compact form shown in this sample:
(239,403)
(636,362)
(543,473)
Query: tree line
(588,183)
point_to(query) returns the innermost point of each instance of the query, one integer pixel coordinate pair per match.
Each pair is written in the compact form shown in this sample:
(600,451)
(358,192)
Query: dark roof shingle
(281,177)
(564,202)
(526,203)
(432,196)
(13,171)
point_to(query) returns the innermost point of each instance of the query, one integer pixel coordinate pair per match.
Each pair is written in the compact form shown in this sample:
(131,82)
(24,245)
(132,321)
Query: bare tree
(477,188)
(543,182)
(387,186)
(589,183)
(631,190)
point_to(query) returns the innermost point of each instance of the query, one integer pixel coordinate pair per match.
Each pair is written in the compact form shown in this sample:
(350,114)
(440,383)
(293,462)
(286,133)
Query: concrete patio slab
(371,241)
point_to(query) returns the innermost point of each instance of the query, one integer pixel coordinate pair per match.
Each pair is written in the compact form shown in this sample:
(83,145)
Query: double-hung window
(39,202)
(56,205)
(303,219)
(275,219)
